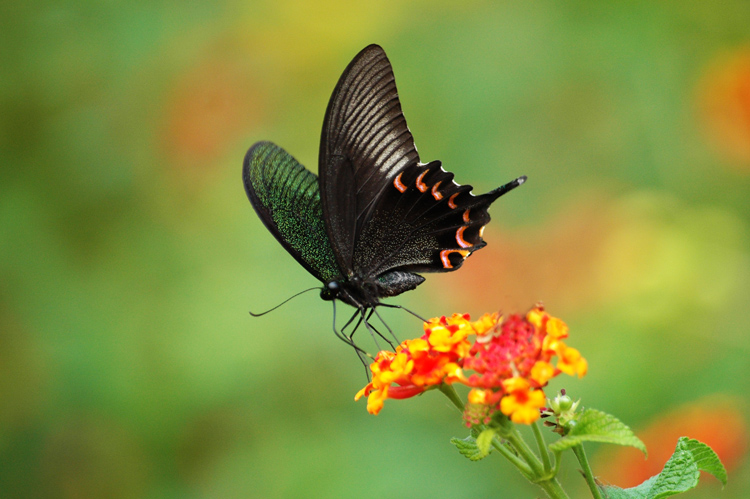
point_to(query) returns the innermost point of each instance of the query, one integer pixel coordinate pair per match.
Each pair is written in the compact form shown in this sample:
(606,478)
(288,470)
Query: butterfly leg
(374,309)
(388,305)
(348,338)
(356,326)
(364,357)
(374,331)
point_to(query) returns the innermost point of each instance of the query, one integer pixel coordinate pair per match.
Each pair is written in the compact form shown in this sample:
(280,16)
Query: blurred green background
(130,255)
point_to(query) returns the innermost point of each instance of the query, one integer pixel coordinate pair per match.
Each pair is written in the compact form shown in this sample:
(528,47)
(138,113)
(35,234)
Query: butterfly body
(375,217)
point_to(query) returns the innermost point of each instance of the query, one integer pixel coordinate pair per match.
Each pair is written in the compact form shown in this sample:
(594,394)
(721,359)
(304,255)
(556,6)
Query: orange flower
(511,361)
(421,363)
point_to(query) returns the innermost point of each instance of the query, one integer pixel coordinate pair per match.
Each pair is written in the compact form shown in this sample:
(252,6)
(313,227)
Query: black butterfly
(375,217)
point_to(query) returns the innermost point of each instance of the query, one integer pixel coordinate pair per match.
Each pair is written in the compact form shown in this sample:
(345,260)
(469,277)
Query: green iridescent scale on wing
(287,198)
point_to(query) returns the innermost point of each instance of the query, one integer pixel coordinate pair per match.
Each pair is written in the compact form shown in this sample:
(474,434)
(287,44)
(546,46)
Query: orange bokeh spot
(724,101)
(207,109)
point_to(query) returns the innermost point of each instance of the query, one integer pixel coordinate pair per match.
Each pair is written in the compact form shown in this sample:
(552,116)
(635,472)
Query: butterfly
(375,217)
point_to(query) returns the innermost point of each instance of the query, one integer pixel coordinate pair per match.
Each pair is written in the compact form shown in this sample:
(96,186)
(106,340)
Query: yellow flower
(557,328)
(572,363)
(486,323)
(416,346)
(522,403)
(447,335)
(376,399)
(537,316)
(542,372)
(479,396)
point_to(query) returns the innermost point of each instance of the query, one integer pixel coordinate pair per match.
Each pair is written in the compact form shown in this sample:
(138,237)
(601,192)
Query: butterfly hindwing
(286,196)
(432,223)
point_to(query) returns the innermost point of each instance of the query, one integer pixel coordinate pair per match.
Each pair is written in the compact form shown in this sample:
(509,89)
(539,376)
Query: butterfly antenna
(280,304)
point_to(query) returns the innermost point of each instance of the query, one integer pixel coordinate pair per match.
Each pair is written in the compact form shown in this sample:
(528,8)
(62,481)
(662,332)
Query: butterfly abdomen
(396,282)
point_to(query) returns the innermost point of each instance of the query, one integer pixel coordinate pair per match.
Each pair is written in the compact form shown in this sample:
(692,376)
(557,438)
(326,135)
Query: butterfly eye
(333,286)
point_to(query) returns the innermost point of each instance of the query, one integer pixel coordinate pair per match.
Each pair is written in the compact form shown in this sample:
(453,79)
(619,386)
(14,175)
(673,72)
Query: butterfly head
(330,290)
(353,291)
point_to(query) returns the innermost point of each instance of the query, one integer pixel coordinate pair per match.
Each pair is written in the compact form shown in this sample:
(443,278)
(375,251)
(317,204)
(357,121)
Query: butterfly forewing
(287,198)
(365,143)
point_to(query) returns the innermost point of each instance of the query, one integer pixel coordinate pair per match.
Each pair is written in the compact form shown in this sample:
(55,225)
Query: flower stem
(450,392)
(544,477)
(518,463)
(542,447)
(558,460)
(532,469)
(525,470)
(584,462)
(525,451)
(553,489)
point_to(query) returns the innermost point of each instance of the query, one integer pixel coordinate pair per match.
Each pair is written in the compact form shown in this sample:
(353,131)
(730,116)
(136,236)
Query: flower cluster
(511,361)
(420,363)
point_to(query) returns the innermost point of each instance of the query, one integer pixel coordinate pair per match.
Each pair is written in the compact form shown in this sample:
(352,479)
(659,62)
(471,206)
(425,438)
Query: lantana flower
(509,362)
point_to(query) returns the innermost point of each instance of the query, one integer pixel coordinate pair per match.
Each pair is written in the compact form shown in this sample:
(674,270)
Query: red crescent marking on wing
(451,203)
(398,184)
(460,238)
(420,185)
(446,261)
(437,195)
(466,216)
(444,257)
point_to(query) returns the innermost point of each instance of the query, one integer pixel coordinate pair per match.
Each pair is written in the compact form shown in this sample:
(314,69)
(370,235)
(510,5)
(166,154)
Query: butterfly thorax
(366,292)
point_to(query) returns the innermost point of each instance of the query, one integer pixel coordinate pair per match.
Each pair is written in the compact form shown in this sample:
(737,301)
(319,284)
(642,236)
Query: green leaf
(468,448)
(680,474)
(597,426)
(706,459)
